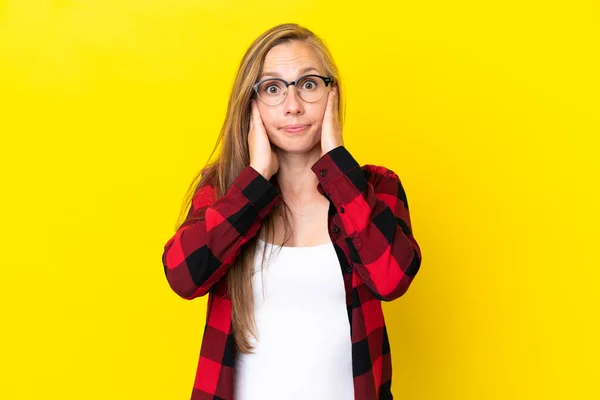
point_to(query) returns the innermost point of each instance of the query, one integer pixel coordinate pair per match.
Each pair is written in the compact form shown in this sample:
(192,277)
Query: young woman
(306,322)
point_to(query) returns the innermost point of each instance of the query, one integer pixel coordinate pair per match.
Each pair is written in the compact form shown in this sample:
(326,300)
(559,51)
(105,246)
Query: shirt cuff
(257,189)
(332,165)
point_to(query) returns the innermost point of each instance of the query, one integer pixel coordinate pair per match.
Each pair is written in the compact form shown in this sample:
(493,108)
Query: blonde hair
(234,156)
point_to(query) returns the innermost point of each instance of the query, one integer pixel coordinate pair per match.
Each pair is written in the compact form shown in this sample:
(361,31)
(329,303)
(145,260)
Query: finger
(258,121)
(327,117)
(255,113)
(331,100)
(336,105)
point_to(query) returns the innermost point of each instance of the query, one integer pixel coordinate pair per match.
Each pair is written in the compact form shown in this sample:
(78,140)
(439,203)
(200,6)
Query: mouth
(295,128)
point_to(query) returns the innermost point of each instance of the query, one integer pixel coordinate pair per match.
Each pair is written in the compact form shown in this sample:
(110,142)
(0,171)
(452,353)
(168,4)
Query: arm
(202,250)
(376,222)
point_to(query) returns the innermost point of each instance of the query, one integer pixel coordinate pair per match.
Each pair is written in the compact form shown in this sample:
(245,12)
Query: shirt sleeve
(211,237)
(376,221)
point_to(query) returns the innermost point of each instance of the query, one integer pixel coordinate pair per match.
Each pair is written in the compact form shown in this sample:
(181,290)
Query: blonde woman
(295,243)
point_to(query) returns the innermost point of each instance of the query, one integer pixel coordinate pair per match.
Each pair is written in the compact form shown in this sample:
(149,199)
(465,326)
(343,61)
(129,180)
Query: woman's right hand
(262,156)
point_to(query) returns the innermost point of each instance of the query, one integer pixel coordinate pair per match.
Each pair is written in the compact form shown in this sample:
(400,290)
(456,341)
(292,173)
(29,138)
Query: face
(290,61)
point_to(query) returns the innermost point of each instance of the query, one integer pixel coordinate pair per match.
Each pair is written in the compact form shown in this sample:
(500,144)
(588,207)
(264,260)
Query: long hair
(234,156)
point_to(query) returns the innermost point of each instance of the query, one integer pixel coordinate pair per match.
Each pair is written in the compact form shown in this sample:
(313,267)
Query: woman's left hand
(331,131)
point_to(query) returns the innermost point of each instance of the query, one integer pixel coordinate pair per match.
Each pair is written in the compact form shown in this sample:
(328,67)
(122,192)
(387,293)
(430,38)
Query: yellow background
(488,111)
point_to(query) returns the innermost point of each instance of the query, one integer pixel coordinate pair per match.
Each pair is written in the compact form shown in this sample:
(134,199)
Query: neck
(296,180)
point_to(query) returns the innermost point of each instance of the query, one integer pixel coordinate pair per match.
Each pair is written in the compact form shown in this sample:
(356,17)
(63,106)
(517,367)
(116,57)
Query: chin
(304,145)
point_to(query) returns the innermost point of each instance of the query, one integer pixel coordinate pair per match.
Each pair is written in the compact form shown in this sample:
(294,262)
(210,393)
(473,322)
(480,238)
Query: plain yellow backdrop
(487,110)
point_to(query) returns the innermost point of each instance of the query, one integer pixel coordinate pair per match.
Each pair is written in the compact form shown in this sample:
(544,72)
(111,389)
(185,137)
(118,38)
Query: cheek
(319,114)
(264,113)
(266,117)
(270,122)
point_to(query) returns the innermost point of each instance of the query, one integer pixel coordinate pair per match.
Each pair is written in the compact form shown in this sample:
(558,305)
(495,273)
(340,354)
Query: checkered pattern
(370,227)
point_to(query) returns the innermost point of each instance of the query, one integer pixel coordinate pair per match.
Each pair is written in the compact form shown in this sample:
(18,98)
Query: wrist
(262,171)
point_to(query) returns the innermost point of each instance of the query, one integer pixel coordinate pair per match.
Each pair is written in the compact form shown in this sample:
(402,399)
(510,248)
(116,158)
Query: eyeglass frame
(326,79)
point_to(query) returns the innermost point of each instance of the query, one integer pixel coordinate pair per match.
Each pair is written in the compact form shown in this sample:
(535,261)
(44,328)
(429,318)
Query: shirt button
(336,229)
(342,210)
(323,172)
(349,269)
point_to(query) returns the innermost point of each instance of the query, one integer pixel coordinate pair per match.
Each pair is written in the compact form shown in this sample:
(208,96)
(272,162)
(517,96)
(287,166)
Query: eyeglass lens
(310,89)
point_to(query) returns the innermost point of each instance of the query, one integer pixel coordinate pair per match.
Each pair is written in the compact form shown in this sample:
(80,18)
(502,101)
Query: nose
(292,103)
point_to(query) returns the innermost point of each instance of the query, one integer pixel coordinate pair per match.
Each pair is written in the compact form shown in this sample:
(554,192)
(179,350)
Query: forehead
(291,60)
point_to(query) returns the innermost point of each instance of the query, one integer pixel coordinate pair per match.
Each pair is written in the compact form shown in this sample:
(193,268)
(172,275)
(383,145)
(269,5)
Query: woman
(307,324)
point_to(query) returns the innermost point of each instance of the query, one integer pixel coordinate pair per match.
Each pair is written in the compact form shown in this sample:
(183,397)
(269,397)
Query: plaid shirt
(369,225)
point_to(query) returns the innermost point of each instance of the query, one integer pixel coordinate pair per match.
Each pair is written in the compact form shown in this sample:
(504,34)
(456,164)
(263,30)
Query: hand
(262,156)
(331,131)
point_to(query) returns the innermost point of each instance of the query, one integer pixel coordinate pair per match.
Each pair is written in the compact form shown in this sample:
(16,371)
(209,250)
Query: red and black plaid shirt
(370,227)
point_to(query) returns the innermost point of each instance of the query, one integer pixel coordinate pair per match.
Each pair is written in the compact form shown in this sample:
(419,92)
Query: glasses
(310,88)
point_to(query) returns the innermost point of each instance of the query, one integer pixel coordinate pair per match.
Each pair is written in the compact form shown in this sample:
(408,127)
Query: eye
(309,84)
(272,89)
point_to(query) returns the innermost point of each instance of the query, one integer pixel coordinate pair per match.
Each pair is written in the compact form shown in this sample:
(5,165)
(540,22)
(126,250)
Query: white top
(304,349)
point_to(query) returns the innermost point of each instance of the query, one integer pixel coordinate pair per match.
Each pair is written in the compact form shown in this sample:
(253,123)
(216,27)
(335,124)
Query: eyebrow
(277,75)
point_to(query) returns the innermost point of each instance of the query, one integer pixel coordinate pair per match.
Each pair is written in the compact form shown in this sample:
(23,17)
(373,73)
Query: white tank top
(304,349)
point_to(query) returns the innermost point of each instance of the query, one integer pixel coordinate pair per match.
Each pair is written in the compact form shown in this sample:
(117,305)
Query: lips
(294,128)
